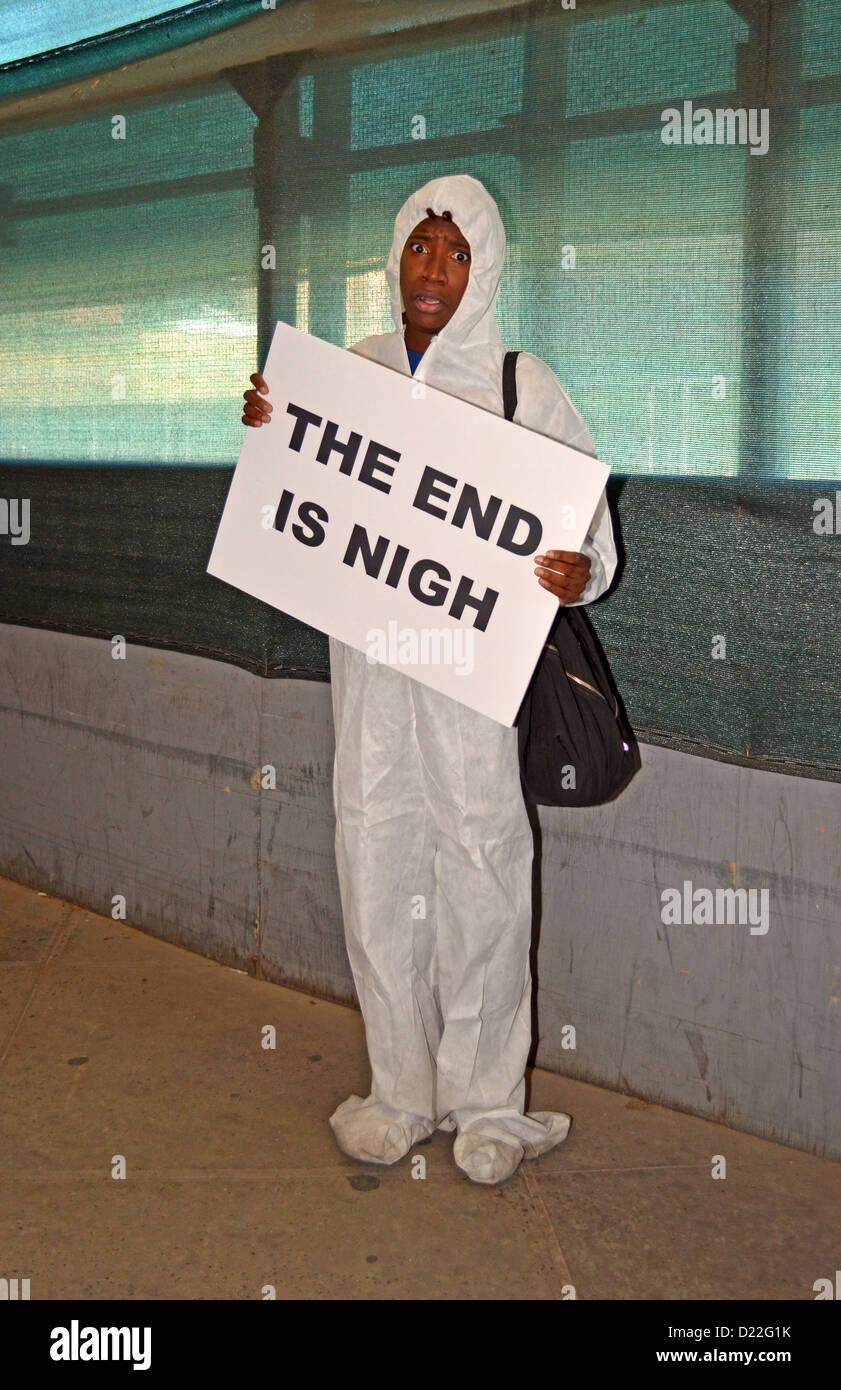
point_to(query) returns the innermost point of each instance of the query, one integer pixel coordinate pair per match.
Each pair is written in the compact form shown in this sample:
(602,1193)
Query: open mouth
(428,302)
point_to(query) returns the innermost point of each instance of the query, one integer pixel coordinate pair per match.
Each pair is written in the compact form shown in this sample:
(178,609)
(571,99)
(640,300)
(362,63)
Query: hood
(474,210)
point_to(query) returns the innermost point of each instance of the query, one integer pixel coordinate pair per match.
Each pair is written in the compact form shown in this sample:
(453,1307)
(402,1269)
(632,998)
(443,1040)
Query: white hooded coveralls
(429,807)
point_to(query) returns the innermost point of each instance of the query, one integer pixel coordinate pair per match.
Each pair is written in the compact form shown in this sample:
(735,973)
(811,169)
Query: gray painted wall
(140,777)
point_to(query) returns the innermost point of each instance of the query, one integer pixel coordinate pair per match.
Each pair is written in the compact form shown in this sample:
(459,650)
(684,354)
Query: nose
(436,264)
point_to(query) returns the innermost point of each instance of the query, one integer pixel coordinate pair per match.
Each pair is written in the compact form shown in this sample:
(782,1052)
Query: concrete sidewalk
(115,1044)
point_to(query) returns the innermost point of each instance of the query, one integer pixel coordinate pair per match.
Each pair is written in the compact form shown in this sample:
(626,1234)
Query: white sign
(403,521)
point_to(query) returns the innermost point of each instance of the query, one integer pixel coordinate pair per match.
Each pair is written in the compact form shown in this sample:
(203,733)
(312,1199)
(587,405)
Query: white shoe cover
(491,1150)
(375,1133)
(555,1126)
(487,1160)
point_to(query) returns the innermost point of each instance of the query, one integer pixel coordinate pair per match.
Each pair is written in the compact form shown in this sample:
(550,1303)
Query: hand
(565,573)
(257,411)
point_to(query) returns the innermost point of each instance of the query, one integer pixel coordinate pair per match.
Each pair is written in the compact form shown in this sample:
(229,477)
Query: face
(434,270)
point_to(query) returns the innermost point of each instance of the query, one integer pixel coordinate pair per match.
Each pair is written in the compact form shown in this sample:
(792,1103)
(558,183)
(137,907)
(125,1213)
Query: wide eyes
(420,245)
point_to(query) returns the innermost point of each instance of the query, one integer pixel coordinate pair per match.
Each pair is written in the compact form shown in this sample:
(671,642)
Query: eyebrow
(430,236)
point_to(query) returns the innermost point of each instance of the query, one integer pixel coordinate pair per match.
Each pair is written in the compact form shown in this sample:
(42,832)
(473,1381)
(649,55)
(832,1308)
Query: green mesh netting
(43,44)
(689,297)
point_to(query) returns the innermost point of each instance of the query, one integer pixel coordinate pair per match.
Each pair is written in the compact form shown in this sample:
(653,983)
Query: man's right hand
(257,411)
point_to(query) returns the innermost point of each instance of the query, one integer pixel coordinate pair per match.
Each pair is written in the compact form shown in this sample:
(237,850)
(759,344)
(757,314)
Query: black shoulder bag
(576,745)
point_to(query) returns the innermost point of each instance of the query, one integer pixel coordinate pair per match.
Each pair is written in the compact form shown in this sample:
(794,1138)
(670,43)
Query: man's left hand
(564,572)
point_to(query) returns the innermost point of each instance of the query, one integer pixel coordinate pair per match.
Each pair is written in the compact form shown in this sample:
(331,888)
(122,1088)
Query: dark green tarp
(689,298)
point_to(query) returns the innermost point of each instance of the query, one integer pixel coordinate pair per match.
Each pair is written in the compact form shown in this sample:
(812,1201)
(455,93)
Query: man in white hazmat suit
(427,795)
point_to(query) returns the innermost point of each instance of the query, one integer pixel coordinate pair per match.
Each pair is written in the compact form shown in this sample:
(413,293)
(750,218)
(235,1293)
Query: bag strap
(509,405)
(509,384)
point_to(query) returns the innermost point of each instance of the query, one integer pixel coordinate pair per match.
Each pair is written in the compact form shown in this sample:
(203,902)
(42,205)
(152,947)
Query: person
(434,846)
